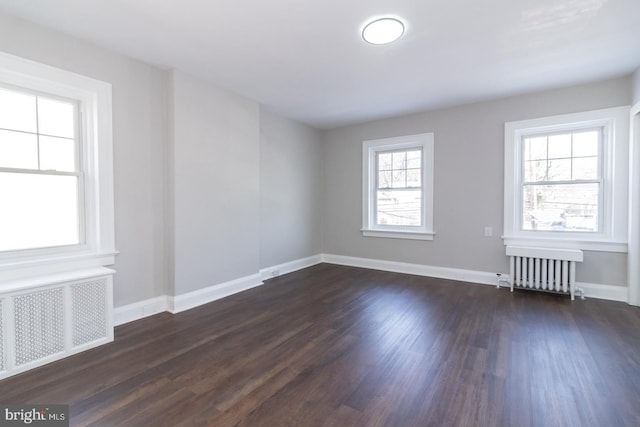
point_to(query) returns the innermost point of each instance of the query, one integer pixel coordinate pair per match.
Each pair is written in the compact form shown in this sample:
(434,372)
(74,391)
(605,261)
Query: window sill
(585,245)
(15,269)
(395,234)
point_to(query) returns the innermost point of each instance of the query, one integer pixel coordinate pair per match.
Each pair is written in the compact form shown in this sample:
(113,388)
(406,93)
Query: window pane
(399,179)
(384,179)
(17,111)
(414,159)
(399,207)
(38,211)
(55,117)
(585,143)
(400,160)
(413,178)
(560,146)
(563,207)
(535,148)
(559,170)
(585,168)
(57,154)
(384,161)
(18,150)
(535,170)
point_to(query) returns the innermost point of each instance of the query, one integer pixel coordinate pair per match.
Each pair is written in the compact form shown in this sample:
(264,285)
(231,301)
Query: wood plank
(334,345)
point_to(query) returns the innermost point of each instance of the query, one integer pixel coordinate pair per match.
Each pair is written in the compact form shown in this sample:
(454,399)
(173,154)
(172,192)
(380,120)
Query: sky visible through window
(561,182)
(39,174)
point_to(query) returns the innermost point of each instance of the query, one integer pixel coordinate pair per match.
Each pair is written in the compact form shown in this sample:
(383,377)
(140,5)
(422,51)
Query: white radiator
(544,269)
(48,318)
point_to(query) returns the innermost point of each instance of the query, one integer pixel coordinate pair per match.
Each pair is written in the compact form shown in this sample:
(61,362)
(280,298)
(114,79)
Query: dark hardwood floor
(342,346)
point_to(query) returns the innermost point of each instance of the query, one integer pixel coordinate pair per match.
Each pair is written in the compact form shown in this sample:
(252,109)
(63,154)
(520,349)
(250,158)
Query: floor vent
(46,319)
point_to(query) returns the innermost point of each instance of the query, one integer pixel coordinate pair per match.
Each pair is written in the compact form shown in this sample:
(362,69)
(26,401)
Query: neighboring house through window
(566,181)
(398,187)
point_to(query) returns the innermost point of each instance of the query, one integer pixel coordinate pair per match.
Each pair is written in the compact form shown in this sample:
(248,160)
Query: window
(398,187)
(56,183)
(40,176)
(562,181)
(566,180)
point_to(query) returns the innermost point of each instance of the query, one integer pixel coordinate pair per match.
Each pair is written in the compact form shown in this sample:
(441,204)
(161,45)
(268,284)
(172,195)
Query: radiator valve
(502,279)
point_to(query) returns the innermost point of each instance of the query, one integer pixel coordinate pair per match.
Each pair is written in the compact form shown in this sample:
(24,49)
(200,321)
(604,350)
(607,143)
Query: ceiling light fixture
(383,31)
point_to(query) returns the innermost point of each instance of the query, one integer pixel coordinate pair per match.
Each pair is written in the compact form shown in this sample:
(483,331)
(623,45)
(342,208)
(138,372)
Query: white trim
(179,303)
(424,141)
(449,273)
(97,164)
(587,245)
(633,256)
(55,265)
(139,310)
(175,304)
(592,290)
(607,292)
(613,235)
(398,234)
(34,281)
(547,253)
(289,267)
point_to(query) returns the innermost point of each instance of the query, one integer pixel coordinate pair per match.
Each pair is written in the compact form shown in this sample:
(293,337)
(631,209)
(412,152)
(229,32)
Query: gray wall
(138,136)
(468,182)
(191,163)
(636,86)
(210,187)
(216,204)
(290,183)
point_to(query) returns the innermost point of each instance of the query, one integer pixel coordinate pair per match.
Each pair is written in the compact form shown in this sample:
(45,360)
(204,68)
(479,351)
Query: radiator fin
(551,270)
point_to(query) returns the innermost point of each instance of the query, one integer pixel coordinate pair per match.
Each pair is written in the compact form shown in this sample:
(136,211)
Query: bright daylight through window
(566,181)
(40,177)
(562,181)
(56,170)
(398,187)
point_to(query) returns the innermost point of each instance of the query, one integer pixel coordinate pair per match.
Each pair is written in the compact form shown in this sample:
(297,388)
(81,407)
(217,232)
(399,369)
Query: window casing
(566,179)
(72,145)
(398,187)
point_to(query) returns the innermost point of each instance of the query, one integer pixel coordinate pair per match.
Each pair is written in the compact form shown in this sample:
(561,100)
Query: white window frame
(97,247)
(371,148)
(612,232)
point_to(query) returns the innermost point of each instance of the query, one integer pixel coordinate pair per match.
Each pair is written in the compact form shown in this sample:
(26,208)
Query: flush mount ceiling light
(383,31)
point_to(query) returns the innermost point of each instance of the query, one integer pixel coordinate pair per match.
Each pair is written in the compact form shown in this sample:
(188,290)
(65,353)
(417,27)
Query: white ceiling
(306,60)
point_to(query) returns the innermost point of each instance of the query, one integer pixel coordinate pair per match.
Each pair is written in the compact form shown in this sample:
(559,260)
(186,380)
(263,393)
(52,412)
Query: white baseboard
(608,292)
(138,310)
(176,304)
(206,295)
(472,276)
(591,290)
(289,267)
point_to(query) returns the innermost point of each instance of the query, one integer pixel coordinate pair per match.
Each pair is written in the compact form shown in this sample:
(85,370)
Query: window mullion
(37,132)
